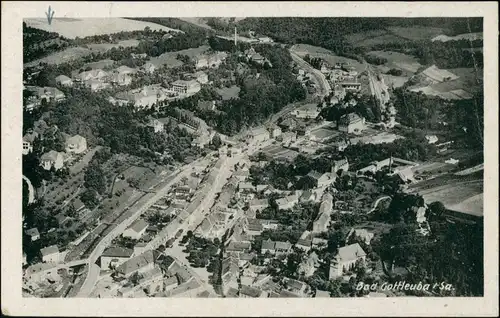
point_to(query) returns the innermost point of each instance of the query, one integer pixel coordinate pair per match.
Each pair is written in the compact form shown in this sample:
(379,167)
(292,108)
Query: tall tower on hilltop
(235,37)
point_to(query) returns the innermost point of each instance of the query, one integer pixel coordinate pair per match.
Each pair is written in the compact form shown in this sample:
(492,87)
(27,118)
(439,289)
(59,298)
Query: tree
(435,211)
(306,183)
(89,198)
(94,178)
(216,141)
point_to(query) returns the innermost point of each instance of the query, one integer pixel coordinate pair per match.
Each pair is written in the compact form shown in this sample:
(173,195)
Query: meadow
(73,28)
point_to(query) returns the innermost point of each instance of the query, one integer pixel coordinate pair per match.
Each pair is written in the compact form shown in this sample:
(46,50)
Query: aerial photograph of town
(252,157)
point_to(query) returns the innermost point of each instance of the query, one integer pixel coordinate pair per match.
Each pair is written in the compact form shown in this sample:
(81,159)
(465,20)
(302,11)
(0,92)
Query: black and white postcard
(171,158)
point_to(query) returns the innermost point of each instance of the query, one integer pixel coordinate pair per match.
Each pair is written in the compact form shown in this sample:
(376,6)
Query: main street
(93,273)
(225,171)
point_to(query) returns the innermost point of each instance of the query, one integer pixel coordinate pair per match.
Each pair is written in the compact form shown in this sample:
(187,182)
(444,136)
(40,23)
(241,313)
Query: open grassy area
(170,58)
(394,81)
(103,47)
(416,33)
(67,55)
(381,39)
(469,80)
(229,92)
(72,28)
(316,51)
(406,63)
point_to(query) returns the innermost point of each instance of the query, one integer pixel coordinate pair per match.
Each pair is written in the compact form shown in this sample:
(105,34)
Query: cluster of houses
(213,60)
(148,96)
(251,56)
(342,74)
(404,169)
(149,273)
(40,94)
(73,145)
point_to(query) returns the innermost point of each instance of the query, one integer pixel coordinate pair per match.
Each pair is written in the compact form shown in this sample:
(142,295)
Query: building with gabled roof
(287,202)
(342,164)
(351,123)
(136,230)
(33,234)
(362,234)
(63,80)
(52,159)
(346,259)
(140,263)
(76,144)
(114,256)
(50,254)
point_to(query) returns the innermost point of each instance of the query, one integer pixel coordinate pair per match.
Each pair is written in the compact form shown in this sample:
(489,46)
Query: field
(170,58)
(394,81)
(100,64)
(467,83)
(64,56)
(228,93)
(72,28)
(103,47)
(416,33)
(393,34)
(197,21)
(406,63)
(465,36)
(315,51)
(454,191)
(370,41)
(355,38)
(433,168)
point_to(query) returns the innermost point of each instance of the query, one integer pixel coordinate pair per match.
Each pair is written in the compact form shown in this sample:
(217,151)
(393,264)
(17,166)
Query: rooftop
(350,253)
(117,251)
(53,249)
(136,263)
(138,226)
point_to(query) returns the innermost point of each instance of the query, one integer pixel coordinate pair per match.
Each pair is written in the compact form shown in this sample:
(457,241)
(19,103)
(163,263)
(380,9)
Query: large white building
(51,254)
(185,87)
(76,144)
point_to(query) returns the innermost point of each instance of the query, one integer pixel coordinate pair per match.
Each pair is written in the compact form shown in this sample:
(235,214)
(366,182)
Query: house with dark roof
(251,292)
(253,227)
(238,247)
(114,256)
(289,124)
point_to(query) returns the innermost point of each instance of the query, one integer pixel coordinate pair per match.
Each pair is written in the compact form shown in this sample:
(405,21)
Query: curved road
(324,86)
(31,190)
(377,202)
